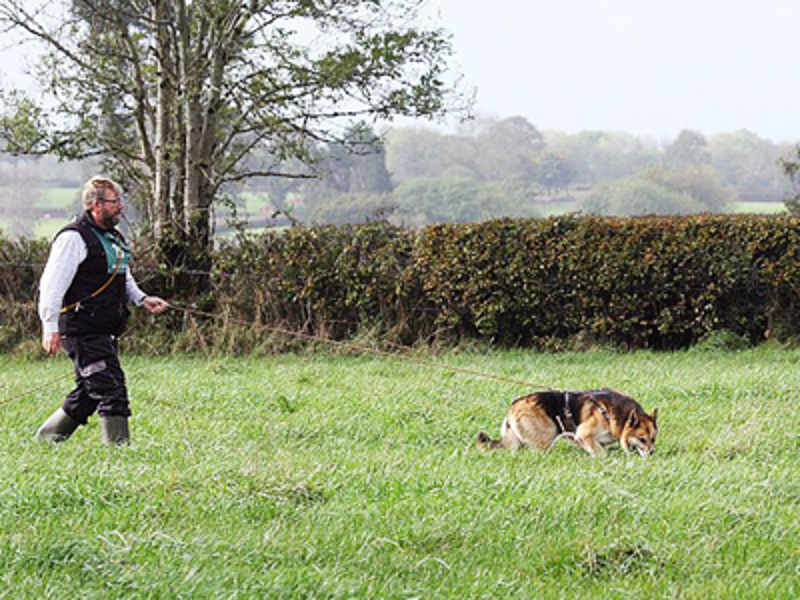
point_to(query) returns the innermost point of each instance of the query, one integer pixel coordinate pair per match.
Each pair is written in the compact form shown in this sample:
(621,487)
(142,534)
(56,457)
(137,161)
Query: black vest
(84,310)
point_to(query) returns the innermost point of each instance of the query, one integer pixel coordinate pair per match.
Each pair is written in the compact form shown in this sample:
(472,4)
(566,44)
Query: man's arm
(66,254)
(152,304)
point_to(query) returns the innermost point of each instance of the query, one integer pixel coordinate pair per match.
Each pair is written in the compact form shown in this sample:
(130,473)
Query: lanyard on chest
(116,252)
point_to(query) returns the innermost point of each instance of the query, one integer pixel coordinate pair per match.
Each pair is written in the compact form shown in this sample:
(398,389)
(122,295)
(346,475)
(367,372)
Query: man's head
(102,197)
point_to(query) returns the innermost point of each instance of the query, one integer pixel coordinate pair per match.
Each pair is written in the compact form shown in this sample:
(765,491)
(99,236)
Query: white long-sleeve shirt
(66,254)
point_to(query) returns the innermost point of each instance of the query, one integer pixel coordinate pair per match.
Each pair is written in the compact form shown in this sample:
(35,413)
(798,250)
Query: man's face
(108,210)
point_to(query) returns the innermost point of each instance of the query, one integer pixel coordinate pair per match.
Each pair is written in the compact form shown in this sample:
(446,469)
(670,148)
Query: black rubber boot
(57,428)
(114,430)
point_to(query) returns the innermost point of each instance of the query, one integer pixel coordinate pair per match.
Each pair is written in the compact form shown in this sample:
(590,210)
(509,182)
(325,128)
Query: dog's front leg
(591,445)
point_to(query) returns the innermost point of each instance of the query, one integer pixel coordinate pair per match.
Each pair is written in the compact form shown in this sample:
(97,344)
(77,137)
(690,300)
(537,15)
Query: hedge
(647,282)
(21,264)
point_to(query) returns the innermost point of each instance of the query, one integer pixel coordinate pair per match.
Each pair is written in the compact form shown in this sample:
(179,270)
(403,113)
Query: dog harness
(570,397)
(569,424)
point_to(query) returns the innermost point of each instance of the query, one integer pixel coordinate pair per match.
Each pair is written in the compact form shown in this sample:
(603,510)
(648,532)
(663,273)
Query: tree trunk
(162,182)
(196,199)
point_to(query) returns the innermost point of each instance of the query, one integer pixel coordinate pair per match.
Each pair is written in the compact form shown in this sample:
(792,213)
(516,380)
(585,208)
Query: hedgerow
(645,282)
(20,266)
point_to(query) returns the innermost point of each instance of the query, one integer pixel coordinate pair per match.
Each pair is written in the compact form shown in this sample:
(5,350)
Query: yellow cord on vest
(99,290)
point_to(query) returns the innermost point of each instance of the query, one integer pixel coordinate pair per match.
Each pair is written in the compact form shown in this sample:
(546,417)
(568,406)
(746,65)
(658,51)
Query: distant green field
(253,203)
(47,228)
(58,198)
(758,208)
(54,205)
(552,209)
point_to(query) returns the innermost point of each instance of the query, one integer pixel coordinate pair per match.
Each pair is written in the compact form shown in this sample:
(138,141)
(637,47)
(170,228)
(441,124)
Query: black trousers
(99,380)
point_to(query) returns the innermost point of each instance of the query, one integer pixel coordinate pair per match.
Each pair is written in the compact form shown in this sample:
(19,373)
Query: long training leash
(47,384)
(362,349)
(349,346)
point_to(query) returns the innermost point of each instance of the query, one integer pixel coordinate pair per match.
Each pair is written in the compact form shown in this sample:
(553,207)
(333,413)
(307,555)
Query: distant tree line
(491,168)
(508,167)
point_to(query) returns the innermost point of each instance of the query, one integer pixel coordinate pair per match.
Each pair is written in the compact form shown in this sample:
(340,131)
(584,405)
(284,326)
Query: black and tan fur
(591,418)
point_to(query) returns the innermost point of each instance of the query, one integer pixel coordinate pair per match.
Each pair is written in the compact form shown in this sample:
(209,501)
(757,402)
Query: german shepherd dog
(591,419)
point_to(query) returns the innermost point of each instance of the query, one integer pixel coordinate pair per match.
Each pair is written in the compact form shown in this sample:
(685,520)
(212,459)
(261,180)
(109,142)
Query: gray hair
(95,189)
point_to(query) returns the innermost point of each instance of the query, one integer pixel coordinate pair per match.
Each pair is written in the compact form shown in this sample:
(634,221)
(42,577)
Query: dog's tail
(484,442)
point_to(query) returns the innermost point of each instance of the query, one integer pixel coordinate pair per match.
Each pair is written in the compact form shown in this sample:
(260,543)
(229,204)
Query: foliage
(349,173)
(651,282)
(417,152)
(655,282)
(20,266)
(443,200)
(640,196)
(463,199)
(357,165)
(509,148)
(749,163)
(713,171)
(175,95)
(700,181)
(331,476)
(791,168)
(557,170)
(688,148)
(600,156)
(353,209)
(324,280)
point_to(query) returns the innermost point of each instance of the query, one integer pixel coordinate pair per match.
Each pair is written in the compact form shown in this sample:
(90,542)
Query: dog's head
(640,432)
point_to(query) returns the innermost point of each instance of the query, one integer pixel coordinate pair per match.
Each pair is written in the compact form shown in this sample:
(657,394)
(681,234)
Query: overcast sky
(648,67)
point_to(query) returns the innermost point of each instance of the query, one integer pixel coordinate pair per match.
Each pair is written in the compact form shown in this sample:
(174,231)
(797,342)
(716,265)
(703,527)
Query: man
(83,296)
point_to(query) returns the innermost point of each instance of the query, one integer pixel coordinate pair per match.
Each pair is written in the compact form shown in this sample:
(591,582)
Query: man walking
(83,296)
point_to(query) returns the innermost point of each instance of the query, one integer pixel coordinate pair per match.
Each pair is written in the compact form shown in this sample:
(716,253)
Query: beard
(110,221)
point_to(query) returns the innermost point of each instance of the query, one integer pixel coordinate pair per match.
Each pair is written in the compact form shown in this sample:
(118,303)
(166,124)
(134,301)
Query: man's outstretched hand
(155,305)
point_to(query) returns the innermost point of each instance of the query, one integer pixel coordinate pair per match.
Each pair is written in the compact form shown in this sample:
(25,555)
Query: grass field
(327,476)
(59,199)
(64,202)
(758,208)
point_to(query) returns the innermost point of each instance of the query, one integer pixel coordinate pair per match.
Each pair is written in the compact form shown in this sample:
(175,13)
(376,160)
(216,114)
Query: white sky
(648,67)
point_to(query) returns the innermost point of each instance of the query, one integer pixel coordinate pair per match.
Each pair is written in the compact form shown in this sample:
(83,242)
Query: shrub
(645,282)
(640,196)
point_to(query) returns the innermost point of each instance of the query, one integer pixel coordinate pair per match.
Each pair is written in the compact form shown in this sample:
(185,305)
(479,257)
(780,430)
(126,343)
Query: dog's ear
(633,419)
(655,417)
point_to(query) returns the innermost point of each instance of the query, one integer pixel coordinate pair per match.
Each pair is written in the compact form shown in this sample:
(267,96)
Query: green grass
(47,228)
(327,476)
(59,198)
(758,208)
(553,209)
(253,203)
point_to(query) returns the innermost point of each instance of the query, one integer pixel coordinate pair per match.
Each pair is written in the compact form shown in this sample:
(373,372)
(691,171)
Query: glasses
(114,201)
